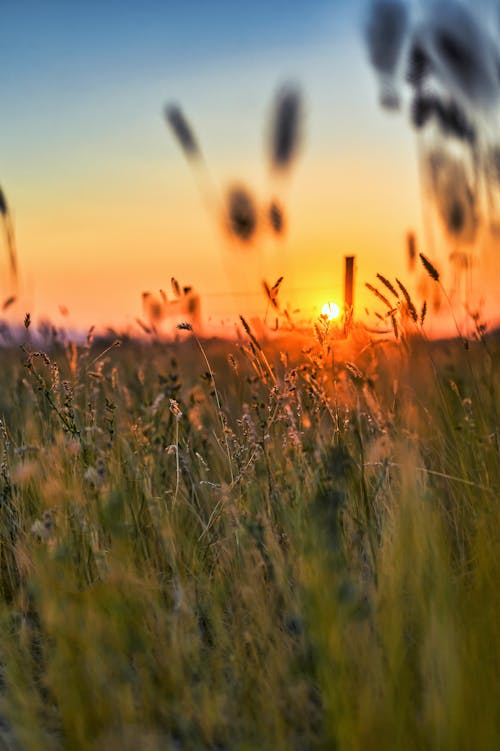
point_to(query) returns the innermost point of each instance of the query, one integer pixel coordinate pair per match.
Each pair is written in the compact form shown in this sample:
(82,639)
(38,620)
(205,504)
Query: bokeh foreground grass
(296,548)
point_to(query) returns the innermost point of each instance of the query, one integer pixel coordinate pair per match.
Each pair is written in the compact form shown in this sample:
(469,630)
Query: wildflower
(175,409)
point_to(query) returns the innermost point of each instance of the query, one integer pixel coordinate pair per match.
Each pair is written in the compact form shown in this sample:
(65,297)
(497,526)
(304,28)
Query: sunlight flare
(331,310)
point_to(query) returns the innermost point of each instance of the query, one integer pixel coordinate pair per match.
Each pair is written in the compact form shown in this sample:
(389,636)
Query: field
(285,544)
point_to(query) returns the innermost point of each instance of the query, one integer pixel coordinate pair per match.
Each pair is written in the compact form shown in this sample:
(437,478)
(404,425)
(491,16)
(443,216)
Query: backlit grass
(253,545)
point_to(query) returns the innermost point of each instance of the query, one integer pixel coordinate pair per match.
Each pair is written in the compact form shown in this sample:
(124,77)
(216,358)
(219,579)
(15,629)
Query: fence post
(348,291)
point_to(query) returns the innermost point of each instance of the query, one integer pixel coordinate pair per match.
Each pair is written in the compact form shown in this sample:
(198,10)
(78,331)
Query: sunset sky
(105,205)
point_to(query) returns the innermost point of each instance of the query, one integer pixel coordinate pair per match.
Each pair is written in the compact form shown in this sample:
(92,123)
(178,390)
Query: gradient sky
(104,203)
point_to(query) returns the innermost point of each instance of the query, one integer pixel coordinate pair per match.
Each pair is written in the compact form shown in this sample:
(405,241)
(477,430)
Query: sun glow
(331,310)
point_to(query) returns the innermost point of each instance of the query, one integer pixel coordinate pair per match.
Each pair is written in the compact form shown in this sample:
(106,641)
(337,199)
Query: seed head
(286,127)
(175,287)
(276,219)
(462,54)
(8,302)
(409,303)
(378,294)
(388,285)
(431,270)
(423,313)
(4,209)
(182,131)
(175,409)
(242,214)
(385,32)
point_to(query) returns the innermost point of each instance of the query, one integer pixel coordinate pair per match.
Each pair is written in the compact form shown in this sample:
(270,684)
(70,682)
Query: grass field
(284,544)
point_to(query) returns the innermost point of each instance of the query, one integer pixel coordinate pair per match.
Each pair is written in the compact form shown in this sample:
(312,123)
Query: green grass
(305,558)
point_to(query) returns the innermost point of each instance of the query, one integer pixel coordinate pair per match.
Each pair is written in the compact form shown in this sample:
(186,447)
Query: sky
(105,205)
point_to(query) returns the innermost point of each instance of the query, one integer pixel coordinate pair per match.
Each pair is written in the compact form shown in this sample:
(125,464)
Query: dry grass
(208,545)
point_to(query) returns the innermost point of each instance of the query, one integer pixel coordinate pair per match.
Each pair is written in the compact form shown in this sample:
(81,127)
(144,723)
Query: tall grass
(251,546)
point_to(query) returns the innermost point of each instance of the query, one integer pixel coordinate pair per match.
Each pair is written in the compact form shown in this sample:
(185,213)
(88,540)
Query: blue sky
(71,43)
(94,176)
(64,65)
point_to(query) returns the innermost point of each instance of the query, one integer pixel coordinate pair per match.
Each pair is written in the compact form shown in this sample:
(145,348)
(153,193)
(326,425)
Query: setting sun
(331,310)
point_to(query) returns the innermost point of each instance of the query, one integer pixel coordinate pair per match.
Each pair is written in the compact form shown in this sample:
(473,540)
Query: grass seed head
(241,213)
(385,33)
(378,294)
(423,313)
(428,266)
(276,219)
(175,287)
(388,285)
(462,55)
(419,66)
(4,208)
(8,302)
(286,122)
(182,131)
(409,302)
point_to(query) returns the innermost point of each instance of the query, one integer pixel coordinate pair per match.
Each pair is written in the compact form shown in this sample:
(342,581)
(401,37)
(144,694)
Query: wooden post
(349,285)
(348,293)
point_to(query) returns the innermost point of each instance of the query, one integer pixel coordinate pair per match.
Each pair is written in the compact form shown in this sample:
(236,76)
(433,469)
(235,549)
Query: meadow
(268,543)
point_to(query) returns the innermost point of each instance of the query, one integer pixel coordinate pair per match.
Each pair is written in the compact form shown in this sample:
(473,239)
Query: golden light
(331,310)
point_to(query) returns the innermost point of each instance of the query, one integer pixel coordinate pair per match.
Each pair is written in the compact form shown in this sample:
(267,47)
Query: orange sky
(96,253)
(106,207)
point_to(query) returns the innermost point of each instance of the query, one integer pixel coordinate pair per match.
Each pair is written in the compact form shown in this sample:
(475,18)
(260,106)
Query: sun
(331,310)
